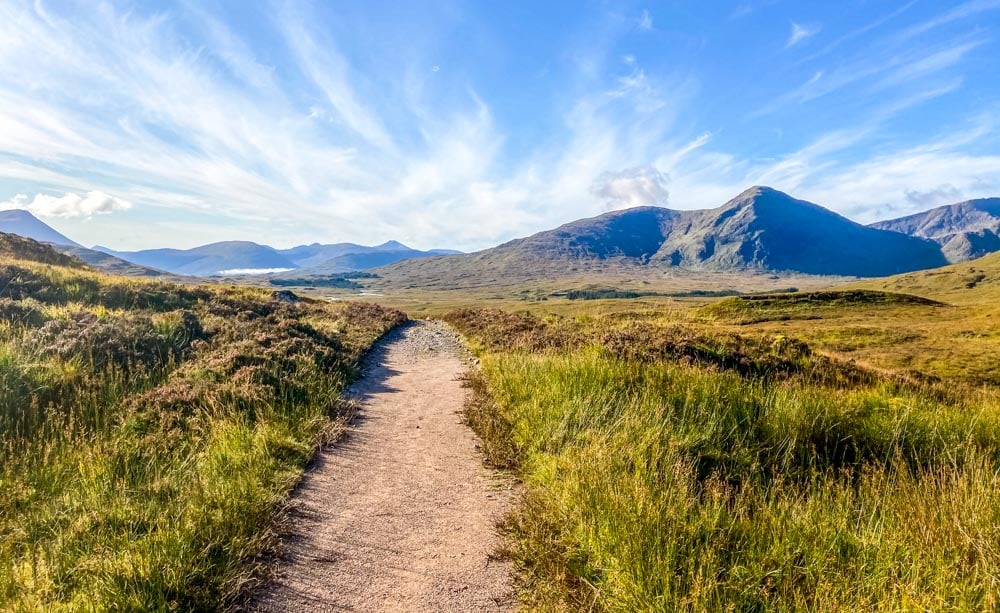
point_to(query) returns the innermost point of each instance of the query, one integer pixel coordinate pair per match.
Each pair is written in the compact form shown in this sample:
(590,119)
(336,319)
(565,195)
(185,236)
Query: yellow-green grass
(149,433)
(659,483)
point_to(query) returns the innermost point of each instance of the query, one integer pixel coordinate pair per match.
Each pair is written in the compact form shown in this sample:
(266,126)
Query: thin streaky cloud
(280,127)
(799,33)
(854,34)
(646,21)
(962,11)
(898,70)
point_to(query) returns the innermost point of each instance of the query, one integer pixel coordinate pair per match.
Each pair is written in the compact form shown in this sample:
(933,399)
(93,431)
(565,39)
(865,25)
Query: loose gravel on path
(400,514)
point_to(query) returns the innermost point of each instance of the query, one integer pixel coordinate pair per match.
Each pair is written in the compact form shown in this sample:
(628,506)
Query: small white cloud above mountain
(940,195)
(638,186)
(69,204)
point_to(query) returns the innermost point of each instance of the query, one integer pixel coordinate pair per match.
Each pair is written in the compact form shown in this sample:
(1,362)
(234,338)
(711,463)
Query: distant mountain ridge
(208,260)
(966,230)
(762,229)
(244,257)
(222,258)
(346,257)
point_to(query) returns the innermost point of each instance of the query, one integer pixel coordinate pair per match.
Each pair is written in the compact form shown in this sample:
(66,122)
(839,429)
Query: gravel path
(400,514)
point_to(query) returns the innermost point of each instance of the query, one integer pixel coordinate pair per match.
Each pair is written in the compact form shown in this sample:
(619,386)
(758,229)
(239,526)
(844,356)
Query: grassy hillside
(149,432)
(673,464)
(974,282)
(110,264)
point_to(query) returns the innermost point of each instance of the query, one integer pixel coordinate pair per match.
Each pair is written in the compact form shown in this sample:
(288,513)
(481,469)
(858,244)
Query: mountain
(243,257)
(216,258)
(965,231)
(23,223)
(229,257)
(762,229)
(346,257)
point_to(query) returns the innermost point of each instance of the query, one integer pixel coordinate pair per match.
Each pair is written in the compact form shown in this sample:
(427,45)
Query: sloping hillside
(973,281)
(25,224)
(150,432)
(13,246)
(108,263)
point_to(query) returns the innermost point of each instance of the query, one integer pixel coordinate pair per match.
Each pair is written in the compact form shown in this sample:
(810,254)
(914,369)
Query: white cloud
(799,33)
(639,186)
(322,147)
(646,21)
(940,195)
(69,204)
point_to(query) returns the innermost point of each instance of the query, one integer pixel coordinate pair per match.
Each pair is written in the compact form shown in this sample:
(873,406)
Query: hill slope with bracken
(762,229)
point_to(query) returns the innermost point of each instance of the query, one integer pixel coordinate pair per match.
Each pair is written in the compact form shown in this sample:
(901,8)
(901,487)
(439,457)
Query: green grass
(807,305)
(651,484)
(149,433)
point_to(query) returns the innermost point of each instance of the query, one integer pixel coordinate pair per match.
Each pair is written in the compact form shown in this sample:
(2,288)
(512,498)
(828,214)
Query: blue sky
(463,124)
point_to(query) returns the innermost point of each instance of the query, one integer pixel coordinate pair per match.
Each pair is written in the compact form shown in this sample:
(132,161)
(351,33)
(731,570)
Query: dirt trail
(399,515)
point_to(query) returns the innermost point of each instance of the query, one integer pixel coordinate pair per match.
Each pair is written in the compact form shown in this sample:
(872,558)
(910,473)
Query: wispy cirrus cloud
(897,69)
(645,21)
(799,33)
(290,132)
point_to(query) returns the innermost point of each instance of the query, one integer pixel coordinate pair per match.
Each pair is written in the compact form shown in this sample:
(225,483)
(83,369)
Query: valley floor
(399,515)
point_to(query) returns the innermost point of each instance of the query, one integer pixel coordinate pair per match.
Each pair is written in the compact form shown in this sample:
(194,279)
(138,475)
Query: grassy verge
(149,432)
(666,469)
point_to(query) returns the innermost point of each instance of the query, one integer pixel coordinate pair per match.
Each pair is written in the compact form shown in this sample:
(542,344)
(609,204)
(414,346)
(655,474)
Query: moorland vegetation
(685,461)
(150,432)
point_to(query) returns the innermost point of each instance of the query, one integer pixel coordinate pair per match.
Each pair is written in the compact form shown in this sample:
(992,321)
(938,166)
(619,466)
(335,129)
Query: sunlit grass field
(150,432)
(708,459)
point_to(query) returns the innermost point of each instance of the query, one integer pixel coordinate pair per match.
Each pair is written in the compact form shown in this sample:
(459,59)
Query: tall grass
(149,432)
(661,486)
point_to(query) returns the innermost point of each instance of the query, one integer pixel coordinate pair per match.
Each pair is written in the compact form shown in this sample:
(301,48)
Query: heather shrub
(126,341)
(150,432)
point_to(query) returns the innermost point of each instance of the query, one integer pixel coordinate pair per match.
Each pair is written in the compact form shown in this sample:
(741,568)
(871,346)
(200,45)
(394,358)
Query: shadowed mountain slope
(965,231)
(762,229)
